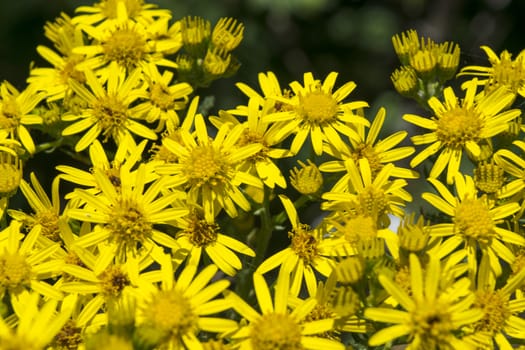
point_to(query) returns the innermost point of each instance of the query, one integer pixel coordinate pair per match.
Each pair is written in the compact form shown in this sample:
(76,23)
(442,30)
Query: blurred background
(290,37)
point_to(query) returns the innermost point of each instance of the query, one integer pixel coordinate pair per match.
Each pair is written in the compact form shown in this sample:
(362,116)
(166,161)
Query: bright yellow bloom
(431,315)
(319,113)
(461,124)
(198,234)
(36,326)
(277,327)
(377,152)
(209,169)
(108,111)
(308,180)
(126,213)
(475,223)
(514,165)
(270,88)
(503,71)
(16,111)
(310,250)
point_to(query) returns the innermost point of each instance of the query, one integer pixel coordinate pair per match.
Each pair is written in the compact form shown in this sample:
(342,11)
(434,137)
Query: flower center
(205,166)
(128,226)
(69,337)
(200,232)
(364,150)
(113,280)
(358,228)
(70,72)
(171,313)
(111,114)
(161,97)
(249,137)
(322,312)
(15,272)
(459,125)
(474,221)
(48,220)
(371,202)
(276,331)
(317,107)
(495,311)
(10,173)
(9,114)
(507,73)
(431,322)
(125,46)
(308,179)
(304,243)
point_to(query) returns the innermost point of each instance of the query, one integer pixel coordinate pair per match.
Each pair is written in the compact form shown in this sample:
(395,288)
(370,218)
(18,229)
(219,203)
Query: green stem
(265,232)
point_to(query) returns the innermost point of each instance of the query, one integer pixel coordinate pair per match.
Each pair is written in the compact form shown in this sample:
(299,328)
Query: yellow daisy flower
(16,112)
(475,223)
(198,234)
(176,312)
(162,101)
(361,194)
(319,113)
(378,152)
(126,215)
(502,310)
(310,251)
(431,315)
(278,327)
(23,267)
(108,109)
(36,326)
(258,132)
(460,124)
(208,169)
(503,71)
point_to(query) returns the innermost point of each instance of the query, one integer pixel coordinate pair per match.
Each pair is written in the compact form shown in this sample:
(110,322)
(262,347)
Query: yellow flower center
(317,107)
(9,114)
(161,97)
(171,314)
(356,228)
(473,220)
(48,220)
(323,312)
(459,125)
(70,72)
(276,331)
(495,309)
(15,272)
(113,281)
(364,150)
(133,7)
(402,279)
(111,114)
(10,173)
(308,179)
(507,73)
(200,232)
(125,46)
(371,202)
(432,322)
(69,337)
(249,137)
(304,243)
(205,166)
(128,226)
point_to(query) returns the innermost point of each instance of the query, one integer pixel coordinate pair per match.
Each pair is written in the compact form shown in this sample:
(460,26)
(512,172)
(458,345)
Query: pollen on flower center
(317,107)
(48,220)
(128,226)
(161,97)
(495,311)
(111,114)
(15,272)
(205,166)
(364,150)
(125,46)
(249,137)
(459,125)
(69,337)
(371,201)
(303,243)
(170,312)
(431,322)
(474,221)
(9,114)
(114,280)
(200,232)
(276,331)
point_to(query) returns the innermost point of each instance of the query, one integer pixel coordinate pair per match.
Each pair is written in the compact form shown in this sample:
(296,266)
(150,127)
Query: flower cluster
(270,225)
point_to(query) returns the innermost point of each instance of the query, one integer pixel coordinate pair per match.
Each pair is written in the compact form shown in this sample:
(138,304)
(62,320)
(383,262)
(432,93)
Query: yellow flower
(198,234)
(270,89)
(319,113)
(37,323)
(23,266)
(308,180)
(460,124)
(431,316)
(176,312)
(377,152)
(310,251)
(16,112)
(126,213)
(108,110)
(256,131)
(208,169)
(475,223)
(503,72)
(514,165)
(278,327)
(11,168)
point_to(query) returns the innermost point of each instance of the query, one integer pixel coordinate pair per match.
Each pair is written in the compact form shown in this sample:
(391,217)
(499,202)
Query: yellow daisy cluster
(281,223)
